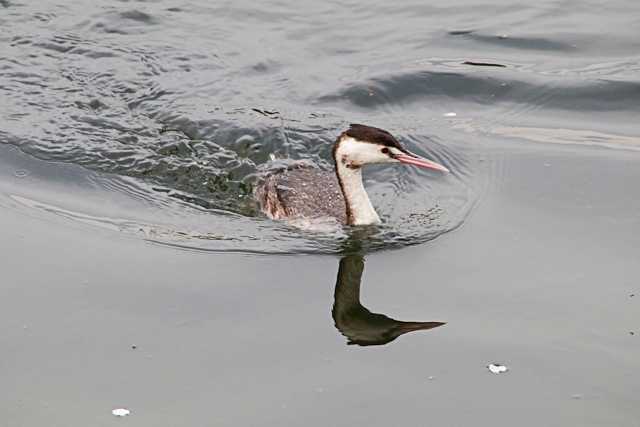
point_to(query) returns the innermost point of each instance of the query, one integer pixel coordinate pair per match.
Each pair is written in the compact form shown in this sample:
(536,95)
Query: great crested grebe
(308,192)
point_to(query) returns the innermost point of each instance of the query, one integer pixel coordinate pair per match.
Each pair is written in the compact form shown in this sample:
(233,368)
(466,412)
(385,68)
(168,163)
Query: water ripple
(483,88)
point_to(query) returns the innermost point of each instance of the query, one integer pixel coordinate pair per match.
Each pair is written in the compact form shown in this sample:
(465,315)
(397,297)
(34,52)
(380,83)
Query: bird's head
(363,145)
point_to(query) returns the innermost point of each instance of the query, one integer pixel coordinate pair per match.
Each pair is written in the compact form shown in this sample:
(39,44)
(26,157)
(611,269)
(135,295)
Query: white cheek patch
(357,153)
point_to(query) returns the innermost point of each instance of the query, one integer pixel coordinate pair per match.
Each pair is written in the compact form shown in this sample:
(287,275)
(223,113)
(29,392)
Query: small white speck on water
(121,412)
(547,165)
(431,378)
(451,114)
(21,173)
(497,368)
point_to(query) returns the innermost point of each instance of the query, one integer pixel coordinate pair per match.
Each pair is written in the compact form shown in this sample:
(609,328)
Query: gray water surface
(137,272)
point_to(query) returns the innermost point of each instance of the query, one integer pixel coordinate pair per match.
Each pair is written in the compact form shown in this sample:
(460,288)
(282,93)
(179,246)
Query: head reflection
(354,321)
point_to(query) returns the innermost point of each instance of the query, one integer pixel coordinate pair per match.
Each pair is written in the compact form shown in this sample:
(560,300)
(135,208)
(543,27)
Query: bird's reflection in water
(354,321)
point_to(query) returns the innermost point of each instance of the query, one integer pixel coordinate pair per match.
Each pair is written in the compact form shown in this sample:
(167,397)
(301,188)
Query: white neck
(359,208)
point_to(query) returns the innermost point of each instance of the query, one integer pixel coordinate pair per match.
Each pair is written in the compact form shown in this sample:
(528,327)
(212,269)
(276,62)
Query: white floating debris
(121,412)
(497,368)
(452,114)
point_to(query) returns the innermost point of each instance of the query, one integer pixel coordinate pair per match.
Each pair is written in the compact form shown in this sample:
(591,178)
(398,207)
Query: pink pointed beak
(412,159)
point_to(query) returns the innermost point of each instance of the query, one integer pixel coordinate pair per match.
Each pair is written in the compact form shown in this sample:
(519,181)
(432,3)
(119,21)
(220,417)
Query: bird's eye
(385,150)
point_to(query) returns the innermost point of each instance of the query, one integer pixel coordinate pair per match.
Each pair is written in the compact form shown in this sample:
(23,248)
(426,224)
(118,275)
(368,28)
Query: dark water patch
(264,67)
(267,113)
(460,32)
(57,45)
(92,52)
(484,64)
(149,96)
(94,105)
(128,22)
(20,40)
(137,15)
(420,86)
(44,17)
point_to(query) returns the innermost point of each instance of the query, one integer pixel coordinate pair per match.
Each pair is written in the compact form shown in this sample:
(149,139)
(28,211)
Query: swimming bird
(303,191)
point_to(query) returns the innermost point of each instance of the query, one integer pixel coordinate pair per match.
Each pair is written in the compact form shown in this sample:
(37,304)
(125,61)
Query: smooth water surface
(138,273)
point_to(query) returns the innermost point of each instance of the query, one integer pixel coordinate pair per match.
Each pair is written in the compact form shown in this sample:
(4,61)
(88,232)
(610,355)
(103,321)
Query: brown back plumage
(302,192)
